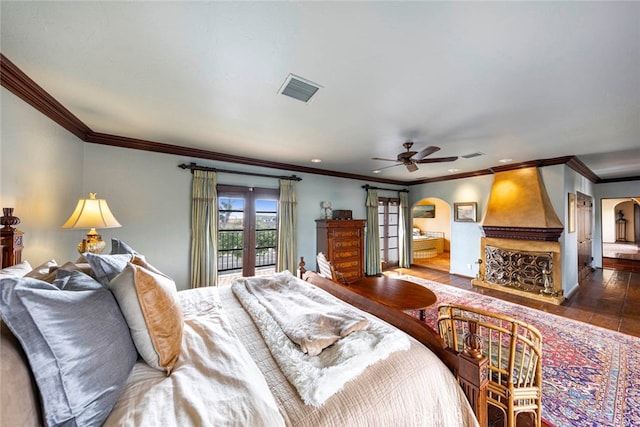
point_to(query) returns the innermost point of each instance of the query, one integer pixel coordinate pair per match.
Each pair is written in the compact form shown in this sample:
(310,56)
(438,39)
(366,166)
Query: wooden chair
(514,352)
(325,269)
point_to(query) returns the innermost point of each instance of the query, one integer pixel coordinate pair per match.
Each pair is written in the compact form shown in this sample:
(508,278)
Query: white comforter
(215,381)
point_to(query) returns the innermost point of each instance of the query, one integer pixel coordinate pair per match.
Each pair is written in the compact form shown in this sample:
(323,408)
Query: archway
(431,219)
(620,230)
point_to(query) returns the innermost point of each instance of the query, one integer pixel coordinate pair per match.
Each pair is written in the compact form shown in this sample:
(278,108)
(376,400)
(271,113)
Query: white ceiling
(518,80)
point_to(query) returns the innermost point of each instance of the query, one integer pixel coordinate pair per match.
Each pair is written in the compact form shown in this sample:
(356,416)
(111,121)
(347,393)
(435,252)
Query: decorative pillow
(120,247)
(149,302)
(106,267)
(43,270)
(77,342)
(18,270)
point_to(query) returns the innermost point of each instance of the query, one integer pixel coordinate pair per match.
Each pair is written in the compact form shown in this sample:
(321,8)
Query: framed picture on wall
(465,212)
(571,213)
(424,211)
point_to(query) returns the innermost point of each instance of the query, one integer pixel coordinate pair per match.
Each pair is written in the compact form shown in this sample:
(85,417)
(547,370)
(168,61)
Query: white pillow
(18,270)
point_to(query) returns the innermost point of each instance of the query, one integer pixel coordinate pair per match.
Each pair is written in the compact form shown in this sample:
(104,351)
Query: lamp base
(93,243)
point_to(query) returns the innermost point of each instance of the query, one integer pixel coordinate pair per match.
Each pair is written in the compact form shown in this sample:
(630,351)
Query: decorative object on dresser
(342,214)
(10,239)
(92,213)
(342,243)
(326,209)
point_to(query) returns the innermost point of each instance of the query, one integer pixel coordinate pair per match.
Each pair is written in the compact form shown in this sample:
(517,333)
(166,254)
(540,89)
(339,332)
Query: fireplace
(520,252)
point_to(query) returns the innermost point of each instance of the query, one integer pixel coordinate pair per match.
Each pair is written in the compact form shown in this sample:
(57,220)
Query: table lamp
(92,213)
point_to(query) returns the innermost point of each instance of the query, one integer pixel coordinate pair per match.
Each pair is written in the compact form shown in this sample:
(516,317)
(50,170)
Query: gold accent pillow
(149,302)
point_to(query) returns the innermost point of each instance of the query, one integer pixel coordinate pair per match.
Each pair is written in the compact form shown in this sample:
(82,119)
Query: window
(247,230)
(388,217)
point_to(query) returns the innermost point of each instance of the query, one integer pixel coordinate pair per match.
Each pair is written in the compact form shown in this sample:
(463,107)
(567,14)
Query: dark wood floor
(609,298)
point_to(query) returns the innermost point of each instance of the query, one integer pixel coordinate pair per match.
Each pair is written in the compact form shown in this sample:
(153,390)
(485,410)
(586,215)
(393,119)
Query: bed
(224,370)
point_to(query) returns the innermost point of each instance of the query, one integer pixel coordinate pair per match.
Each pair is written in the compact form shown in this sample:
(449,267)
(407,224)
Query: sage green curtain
(404,237)
(204,229)
(372,262)
(287,227)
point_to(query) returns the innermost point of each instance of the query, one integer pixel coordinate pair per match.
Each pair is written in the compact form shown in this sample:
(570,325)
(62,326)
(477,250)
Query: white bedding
(226,376)
(215,382)
(319,377)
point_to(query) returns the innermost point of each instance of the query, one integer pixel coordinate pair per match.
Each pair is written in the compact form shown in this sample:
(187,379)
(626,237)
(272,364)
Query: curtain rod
(369,187)
(193,167)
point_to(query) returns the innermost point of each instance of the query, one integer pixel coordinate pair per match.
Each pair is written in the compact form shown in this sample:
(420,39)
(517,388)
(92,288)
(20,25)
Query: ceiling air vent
(472,155)
(299,88)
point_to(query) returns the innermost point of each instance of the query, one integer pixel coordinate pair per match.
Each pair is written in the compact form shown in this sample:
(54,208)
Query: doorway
(388,220)
(431,219)
(247,231)
(584,218)
(621,233)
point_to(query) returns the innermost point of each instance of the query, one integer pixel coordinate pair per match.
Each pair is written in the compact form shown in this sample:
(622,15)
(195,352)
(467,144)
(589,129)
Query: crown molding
(21,85)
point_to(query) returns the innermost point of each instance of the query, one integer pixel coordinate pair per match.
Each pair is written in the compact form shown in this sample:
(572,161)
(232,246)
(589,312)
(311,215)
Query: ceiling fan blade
(426,151)
(411,167)
(438,160)
(387,167)
(386,160)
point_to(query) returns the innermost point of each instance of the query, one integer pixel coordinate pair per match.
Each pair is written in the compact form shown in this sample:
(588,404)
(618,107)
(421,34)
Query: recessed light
(376,171)
(453,170)
(505,160)
(316,160)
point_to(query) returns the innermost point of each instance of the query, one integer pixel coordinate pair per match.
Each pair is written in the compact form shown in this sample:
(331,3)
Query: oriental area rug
(590,375)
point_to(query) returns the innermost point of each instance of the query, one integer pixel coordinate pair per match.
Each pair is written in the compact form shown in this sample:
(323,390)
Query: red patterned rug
(591,375)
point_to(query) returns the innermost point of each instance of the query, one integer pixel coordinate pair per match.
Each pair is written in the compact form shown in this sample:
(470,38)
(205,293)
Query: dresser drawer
(340,254)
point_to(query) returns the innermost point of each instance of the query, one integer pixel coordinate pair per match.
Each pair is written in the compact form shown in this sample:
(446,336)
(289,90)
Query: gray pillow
(106,267)
(120,247)
(77,342)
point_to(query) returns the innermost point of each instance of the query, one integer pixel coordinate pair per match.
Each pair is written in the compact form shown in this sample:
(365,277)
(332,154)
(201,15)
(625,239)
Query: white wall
(150,197)
(573,183)
(465,236)
(41,178)
(45,170)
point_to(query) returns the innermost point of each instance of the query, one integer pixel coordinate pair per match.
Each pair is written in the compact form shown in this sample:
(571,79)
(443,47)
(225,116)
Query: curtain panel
(404,237)
(372,262)
(287,227)
(204,229)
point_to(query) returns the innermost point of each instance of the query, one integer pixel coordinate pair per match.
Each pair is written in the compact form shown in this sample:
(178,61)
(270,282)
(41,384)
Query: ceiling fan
(411,158)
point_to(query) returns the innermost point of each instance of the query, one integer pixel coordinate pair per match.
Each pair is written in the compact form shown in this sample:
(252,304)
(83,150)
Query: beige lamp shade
(91,213)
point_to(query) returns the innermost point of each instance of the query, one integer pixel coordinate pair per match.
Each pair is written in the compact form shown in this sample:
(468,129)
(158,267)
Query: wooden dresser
(342,242)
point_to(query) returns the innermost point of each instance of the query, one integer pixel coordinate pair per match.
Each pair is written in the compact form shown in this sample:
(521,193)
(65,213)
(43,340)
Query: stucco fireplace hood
(519,208)
(520,249)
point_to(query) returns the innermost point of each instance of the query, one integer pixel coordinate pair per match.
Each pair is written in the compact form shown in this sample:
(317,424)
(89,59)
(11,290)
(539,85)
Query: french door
(388,216)
(247,230)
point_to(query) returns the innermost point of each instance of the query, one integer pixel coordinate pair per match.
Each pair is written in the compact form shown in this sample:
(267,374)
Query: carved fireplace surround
(520,252)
